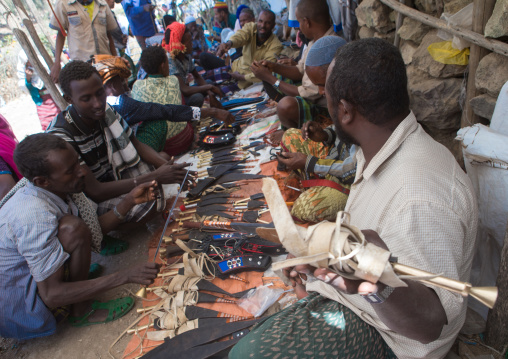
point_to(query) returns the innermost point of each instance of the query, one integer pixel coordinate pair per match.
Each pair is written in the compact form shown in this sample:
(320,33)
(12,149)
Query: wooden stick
(40,22)
(468,35)
(482,10)
(398,24)
(38,43)
(41,71)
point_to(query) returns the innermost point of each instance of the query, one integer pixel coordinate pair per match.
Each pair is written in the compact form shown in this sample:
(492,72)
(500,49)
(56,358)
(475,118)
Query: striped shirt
(30,252)
(420,202)
(89,143)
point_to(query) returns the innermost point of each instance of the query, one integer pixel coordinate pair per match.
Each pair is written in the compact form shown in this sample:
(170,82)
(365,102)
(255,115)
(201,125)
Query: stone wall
(437,91)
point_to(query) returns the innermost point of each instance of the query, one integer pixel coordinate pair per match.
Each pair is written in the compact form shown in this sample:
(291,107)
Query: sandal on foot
(112,246)
(95,271)
(116,308)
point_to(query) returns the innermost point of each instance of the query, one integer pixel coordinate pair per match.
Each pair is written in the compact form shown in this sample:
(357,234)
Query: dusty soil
(89,342)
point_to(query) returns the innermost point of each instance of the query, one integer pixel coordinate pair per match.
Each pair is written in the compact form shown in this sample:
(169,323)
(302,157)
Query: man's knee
(287,110)
(73,232)
(195,100)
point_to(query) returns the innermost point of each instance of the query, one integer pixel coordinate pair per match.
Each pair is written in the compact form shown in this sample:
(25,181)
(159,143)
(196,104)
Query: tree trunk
(497,328)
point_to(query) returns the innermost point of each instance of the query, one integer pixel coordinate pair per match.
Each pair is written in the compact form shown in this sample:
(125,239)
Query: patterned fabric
(415,195)
(313,327)
(153,134)
(318,203)
(87,211)
(30,252)
(199,44)
(218,75)
(47,111)
(174,46)
(308,111)
(110,66)
(162,90)
(181,68)
(107,151)
(158,89)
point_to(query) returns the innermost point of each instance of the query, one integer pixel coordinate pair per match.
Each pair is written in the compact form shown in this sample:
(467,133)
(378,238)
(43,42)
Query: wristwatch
(276,84)
(380,297)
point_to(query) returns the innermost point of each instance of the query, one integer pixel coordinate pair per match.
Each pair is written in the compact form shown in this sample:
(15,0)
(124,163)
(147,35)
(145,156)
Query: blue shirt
(141,22)
(30,252)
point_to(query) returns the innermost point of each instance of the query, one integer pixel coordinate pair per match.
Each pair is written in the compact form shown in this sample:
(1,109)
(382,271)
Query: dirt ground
(88,342)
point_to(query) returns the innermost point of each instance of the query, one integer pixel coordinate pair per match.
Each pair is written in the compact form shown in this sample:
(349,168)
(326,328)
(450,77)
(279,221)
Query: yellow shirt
(246,37)
(89,9)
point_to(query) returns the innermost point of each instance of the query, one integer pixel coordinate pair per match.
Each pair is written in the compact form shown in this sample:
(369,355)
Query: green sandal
(116,308)
(112,246)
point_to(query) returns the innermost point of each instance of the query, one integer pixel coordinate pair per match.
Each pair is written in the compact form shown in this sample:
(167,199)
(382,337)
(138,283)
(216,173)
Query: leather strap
(324,183)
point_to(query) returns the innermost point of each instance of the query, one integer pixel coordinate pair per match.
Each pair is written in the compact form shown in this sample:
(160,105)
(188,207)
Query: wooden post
(497,330)
(41,71)
(482,11)
(471,36)
(398,24)
(38,43)
(40,22)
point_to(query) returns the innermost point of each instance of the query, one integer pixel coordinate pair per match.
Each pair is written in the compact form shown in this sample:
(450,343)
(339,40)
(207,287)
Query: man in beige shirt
(258,42)
(88,24)
(300,103)
(409,196)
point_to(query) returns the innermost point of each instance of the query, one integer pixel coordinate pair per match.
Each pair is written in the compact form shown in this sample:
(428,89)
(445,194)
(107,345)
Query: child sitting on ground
(160,87)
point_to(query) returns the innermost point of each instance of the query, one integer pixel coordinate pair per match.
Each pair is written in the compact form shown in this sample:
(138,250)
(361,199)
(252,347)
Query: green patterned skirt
(313,327)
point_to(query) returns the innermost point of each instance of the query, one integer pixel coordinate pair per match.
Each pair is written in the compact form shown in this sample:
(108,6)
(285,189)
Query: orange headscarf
(175,46)
(110,66)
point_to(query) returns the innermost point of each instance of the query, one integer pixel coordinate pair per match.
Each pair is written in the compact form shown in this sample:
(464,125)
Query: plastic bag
(462,18)
(444,53)
(258,300)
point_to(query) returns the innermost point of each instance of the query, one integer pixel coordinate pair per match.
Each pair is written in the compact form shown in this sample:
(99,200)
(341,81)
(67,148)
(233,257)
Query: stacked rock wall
(437,91)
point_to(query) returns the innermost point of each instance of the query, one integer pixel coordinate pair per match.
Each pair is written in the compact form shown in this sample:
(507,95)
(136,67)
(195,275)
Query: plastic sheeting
(485,152)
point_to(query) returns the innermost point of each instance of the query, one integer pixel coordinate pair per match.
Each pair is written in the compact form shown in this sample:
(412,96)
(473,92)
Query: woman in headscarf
(9,174)
(178,43)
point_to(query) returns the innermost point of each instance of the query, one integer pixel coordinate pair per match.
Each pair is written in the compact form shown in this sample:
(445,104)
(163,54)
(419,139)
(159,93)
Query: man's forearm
(290,72)
(112,47)
(60,42)
(67,293)
(109,221)
(414,311)
(191,90)
(147,154)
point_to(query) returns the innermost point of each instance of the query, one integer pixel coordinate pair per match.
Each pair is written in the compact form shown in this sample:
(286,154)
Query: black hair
(151,59)
(168,20)
(271,13)
(31,154)
(75,71)
(371,75)
(315,10)
(249,12)
(223,9)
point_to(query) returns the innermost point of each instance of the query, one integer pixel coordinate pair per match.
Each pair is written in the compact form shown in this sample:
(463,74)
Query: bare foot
(275,138)
(300,291)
